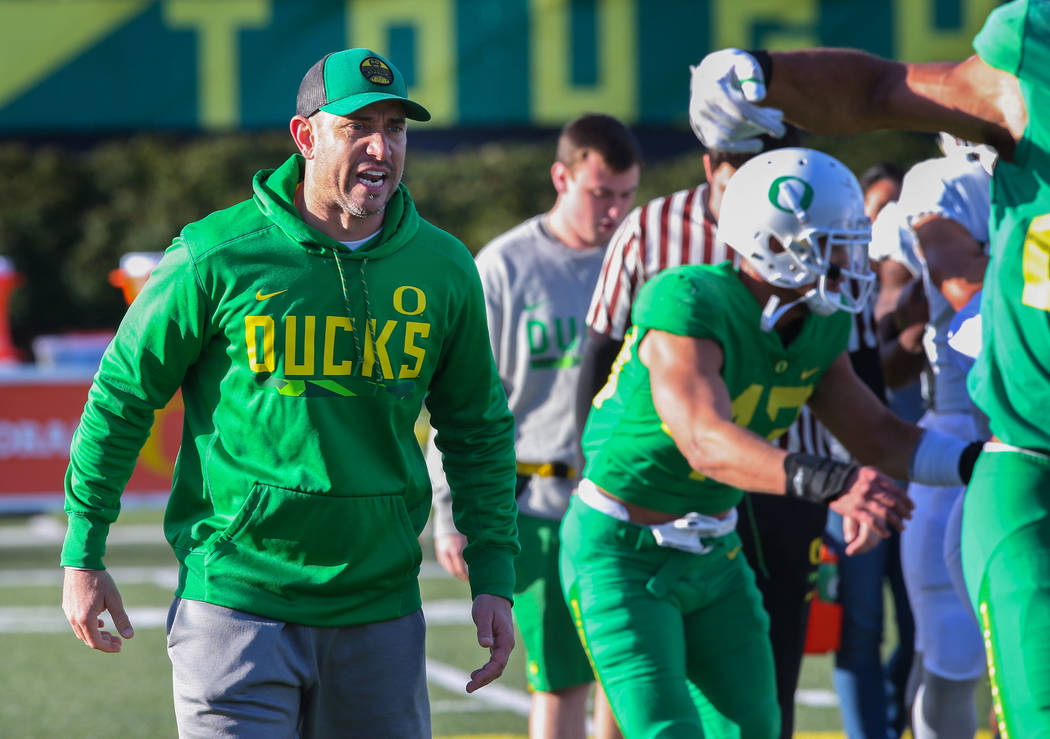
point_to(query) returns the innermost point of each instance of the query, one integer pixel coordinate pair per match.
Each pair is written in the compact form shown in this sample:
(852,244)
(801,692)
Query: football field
(52,685)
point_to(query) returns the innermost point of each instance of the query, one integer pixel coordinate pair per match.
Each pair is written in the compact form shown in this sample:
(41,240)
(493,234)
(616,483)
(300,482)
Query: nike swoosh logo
(537,304)
(259,294)
(731,554)
(806,374)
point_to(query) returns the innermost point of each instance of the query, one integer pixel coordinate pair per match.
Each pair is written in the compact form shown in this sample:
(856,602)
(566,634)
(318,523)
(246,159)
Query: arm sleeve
(661,300)
(160,337)
(599,353)
(442,494)
(475,435)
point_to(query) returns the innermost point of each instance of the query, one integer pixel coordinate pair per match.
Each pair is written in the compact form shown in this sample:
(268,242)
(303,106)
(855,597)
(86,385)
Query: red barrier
(40,412)
(40,409)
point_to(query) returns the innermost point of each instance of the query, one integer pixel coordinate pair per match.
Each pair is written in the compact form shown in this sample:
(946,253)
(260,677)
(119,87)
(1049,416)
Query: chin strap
(812,299)
(771,313)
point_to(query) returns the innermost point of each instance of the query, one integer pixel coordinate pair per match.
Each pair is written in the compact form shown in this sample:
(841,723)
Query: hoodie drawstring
(350,313)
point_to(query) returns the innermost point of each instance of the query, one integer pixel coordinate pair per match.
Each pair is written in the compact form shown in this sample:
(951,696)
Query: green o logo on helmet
(782,186)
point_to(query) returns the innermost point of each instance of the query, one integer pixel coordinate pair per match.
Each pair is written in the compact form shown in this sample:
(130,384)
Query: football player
(718,363)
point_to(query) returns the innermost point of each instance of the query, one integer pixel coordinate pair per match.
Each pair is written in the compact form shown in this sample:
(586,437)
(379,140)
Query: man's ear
(303,135)
(560,176)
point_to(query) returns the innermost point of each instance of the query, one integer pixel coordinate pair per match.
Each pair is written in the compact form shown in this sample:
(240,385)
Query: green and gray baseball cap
(345,81)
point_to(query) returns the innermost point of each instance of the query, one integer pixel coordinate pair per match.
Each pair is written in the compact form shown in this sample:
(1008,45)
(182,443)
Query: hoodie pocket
(296,547)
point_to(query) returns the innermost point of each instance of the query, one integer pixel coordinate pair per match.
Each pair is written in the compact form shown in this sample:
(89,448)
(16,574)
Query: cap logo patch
(376,71)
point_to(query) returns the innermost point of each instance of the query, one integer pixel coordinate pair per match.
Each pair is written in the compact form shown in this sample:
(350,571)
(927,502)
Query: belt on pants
(689,533)
(546,469)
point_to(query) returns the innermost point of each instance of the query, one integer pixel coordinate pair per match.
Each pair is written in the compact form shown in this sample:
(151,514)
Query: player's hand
(85,595)
(492,616)
(448,548)
(722,94)
(874,500)
(859,537)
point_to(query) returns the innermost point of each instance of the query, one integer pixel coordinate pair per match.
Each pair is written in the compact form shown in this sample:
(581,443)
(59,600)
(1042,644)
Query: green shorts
(662,624)
(554,656)
(1006,562)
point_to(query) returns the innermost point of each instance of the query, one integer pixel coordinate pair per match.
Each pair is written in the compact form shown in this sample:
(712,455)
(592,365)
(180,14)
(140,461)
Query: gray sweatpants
(239,675)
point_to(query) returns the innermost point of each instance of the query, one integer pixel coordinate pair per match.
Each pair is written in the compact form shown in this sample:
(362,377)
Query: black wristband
(765,62)
(968,459)
(816,479)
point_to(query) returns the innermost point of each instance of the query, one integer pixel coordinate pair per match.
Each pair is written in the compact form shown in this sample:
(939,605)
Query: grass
(51,685)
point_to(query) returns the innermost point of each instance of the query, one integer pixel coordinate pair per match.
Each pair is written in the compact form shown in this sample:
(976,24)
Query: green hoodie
(300,490)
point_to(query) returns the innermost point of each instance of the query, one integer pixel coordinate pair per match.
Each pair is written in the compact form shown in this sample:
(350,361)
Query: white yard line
(49,619)
(26,619)
(46,531)
(494,695)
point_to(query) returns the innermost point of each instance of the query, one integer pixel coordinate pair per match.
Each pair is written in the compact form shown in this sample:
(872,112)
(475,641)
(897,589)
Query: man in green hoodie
(306,327)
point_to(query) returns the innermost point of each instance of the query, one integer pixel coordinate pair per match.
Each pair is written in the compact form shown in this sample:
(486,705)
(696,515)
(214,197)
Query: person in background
(537,279)
(996,97)
(306,327)
(945,201)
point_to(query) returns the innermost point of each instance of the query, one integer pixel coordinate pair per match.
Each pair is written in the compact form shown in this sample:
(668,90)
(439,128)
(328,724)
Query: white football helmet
(797,215)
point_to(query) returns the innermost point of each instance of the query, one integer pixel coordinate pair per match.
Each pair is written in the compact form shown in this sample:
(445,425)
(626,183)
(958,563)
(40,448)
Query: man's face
(358,159)
(593,198)
(878,194)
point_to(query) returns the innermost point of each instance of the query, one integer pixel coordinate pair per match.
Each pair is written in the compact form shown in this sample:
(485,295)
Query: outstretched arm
(693,402)
(968,99)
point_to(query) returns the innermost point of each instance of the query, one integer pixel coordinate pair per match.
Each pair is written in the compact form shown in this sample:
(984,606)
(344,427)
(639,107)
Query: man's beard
(359,211)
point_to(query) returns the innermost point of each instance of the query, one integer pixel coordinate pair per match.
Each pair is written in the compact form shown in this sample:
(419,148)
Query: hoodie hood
(275,197)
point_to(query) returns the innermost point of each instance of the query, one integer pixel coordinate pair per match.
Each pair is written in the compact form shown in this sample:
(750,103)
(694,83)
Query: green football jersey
(629,450)
(1011,380)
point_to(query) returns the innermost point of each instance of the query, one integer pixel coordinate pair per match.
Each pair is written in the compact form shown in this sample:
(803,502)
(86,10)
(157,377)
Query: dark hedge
(68,214)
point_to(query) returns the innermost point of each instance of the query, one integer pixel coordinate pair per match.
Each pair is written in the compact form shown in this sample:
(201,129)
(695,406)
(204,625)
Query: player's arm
(735,95)
(969,99)
(864,425)
(875,436)
(954,259)
(693,402)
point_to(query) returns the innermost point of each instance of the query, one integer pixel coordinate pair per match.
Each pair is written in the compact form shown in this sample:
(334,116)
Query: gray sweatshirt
(536,295)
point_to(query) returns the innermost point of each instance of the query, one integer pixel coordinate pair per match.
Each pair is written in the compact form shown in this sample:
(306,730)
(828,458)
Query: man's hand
(492,616)
(448,548)
(859,537)
(722,92)
(874,501)
(85,595)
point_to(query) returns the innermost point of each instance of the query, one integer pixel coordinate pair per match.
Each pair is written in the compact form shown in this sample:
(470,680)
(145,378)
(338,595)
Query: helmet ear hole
(775,247)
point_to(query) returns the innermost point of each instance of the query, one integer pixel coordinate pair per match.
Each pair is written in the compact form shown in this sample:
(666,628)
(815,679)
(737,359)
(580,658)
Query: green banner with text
(115,65)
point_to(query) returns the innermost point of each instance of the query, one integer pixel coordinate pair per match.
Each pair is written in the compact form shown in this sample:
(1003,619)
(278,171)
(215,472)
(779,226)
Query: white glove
(722,92)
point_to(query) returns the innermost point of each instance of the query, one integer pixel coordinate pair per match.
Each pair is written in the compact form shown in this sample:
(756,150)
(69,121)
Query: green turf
(54,686)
